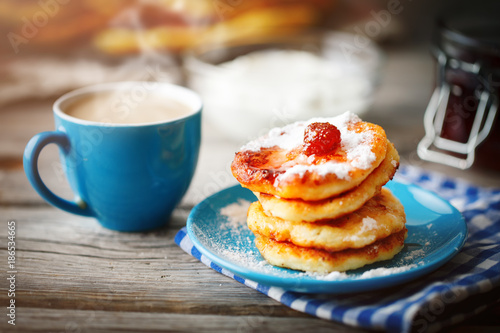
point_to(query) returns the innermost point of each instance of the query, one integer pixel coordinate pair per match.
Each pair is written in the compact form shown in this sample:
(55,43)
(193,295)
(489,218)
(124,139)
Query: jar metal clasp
(437,149)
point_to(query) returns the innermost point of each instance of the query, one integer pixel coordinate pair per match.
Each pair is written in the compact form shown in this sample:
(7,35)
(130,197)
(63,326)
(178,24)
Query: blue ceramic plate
(436,232)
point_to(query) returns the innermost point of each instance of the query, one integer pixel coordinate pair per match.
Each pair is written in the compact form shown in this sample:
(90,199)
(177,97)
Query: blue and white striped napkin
(465,286)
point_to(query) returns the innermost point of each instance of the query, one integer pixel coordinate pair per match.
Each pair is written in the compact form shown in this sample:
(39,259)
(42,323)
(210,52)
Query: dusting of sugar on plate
(234,222)
(415,254)
(235,214)
(326,277)
(253,262)
(375,272)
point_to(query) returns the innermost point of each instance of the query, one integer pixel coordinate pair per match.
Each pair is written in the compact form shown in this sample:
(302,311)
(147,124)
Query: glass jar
(461,125)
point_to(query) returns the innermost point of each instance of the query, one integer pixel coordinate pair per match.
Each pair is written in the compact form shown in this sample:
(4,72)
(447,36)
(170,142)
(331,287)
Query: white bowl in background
(249,89)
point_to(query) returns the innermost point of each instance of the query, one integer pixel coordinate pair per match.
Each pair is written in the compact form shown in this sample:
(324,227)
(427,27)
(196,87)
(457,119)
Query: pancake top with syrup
(278,164)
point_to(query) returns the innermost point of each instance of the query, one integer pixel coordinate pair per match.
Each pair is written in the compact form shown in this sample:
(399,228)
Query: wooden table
(74,276)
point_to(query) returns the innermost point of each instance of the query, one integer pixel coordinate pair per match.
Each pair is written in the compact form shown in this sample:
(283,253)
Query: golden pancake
(297,210)
(288,255)
(282,164)
(378,218)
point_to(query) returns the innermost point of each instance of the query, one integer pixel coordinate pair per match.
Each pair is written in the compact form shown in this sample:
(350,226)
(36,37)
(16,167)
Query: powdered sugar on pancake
(368,225)
(357,147)
(292,135)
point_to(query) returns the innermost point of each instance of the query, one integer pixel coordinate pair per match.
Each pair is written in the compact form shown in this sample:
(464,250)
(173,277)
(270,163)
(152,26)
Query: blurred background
(51,46)
(257,63)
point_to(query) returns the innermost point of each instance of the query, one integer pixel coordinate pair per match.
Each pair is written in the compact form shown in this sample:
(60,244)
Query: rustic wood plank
(64,320)
(96,320)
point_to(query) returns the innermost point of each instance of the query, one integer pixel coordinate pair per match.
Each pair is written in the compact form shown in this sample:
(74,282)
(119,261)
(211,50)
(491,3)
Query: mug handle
(30,162)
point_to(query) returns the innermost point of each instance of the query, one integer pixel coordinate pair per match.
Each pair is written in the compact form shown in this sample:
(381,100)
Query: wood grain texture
(48,320)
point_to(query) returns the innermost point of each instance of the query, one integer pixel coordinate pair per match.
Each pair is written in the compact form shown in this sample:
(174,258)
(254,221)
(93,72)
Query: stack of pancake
(321,205)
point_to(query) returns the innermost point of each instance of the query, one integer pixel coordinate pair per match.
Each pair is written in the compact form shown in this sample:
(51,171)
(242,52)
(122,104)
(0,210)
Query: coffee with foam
(127,107)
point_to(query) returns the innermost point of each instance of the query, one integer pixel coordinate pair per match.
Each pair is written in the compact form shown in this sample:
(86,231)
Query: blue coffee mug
(130,177)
